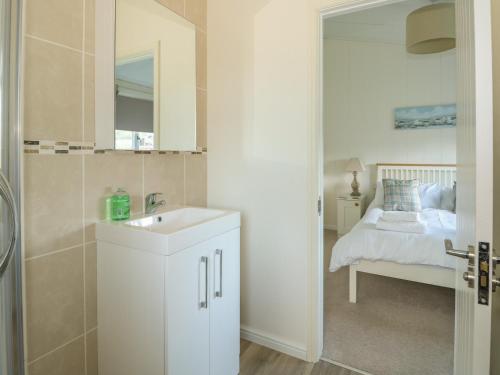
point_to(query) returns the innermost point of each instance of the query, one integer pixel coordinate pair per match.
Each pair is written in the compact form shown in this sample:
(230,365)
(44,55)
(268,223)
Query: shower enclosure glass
(11,328)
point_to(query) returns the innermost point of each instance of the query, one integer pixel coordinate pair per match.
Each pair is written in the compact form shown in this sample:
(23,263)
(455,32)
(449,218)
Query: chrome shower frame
(11,151)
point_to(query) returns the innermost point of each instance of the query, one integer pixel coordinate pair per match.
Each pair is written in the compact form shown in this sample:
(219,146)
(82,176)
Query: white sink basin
(172,221)
(170,230)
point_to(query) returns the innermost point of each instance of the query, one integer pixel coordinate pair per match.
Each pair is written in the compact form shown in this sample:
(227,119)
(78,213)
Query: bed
(407,256)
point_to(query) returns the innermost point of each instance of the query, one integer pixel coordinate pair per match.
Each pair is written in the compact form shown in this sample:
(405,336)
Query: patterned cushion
(401,195)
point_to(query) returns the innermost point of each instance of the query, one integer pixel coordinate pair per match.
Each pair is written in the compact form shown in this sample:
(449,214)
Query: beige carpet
(396,328)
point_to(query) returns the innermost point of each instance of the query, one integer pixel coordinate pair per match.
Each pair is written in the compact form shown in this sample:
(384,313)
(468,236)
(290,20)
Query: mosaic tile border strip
(58,147)
(88,148)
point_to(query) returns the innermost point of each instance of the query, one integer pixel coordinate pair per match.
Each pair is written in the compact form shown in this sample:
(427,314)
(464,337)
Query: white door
(225,307)
(188,318)
(474,186)
(495,321)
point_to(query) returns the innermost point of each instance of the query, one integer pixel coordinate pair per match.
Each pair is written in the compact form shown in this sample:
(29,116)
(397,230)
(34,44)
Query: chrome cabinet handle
(8,196)
(218,293)
(204,293)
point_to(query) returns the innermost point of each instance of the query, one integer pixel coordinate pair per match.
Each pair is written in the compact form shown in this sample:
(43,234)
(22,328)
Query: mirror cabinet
(145,77)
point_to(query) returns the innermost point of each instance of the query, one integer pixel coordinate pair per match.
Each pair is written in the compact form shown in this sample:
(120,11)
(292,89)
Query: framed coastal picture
(426,117)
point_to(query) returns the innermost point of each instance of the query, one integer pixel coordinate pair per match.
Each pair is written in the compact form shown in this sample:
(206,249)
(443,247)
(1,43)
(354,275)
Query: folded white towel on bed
(398,216)
(417,227)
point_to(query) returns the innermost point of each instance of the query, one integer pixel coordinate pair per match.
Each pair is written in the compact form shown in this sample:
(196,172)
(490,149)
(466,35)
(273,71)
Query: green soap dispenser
(108,207)
(120,205)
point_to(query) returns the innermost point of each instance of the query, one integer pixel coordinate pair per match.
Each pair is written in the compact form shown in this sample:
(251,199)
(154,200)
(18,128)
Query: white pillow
(379,195)
(449,198)
(430,195)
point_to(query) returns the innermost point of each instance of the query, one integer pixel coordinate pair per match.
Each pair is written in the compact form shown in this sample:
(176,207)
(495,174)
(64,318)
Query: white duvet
(364,242)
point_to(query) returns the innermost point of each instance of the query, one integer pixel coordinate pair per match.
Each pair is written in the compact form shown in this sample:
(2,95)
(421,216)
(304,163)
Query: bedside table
(349,212)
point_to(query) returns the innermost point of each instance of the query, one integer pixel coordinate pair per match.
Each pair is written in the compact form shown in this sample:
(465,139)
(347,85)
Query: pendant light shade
(431,29)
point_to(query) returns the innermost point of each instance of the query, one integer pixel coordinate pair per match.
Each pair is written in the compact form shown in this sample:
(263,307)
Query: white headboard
(442,174)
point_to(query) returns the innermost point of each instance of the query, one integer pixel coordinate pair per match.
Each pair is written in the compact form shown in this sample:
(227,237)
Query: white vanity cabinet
(203,315)
(169,314)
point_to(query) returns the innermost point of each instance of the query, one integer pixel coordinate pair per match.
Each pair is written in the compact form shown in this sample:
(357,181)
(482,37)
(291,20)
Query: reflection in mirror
(135,104)
(155,78)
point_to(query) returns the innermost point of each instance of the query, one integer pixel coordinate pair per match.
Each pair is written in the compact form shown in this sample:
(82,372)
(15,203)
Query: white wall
(262,60)
(258,159)
(364,83)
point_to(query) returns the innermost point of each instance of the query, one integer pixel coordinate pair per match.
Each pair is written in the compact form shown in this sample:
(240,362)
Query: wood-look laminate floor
(258,360)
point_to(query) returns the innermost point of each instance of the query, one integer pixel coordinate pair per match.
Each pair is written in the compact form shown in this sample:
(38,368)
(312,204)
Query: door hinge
(319,207)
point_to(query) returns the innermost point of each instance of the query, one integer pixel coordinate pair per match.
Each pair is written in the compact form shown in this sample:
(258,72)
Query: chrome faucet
(152,203)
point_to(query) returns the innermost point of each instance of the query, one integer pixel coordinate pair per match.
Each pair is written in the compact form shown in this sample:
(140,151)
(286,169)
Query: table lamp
(355,165)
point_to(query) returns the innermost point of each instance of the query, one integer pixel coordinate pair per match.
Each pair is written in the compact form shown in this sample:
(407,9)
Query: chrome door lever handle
(469,254)
(494,284)
(470,278)
(495,259)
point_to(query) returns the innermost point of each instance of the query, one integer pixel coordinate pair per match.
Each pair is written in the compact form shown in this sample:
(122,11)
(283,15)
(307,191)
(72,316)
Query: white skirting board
(272,342)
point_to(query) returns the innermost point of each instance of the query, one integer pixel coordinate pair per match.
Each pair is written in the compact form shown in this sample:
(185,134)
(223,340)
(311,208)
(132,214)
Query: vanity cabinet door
(188,305)
(225,306)
(130,308)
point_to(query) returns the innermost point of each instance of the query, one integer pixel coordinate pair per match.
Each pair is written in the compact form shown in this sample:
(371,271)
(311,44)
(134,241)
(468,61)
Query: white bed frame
(443,174)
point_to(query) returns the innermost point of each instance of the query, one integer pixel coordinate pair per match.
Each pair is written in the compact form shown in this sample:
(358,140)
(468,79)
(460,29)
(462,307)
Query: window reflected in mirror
(135,104)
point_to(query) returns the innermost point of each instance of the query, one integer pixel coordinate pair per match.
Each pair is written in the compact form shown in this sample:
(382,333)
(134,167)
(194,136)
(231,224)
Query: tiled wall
(64,192)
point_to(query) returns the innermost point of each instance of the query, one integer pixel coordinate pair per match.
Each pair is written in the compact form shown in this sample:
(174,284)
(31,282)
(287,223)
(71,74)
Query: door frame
(481,357)
(316,313)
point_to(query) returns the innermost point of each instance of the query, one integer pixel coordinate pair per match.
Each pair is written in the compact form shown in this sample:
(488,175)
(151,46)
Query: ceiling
(140,72)
(385,24)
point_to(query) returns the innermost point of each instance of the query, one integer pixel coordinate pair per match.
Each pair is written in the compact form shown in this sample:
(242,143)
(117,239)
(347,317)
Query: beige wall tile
(165,174)
(59,21)
(104,173)
(54,295)
(201,118)
(89,106)
(53,203)
(196,180)
(92,354)
(91,284)
(68,360)
(53,92)
(55,212)
(196,12)
(89,25)
(176,6)
(201,59)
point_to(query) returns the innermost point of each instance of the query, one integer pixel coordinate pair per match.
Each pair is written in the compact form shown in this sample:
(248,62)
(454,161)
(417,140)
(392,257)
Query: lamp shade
(431,29)
(355,165)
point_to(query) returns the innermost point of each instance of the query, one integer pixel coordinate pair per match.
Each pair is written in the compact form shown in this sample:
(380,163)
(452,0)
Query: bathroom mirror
(153,77)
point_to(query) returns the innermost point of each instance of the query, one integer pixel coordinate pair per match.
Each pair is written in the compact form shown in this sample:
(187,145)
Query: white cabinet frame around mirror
(172,45)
